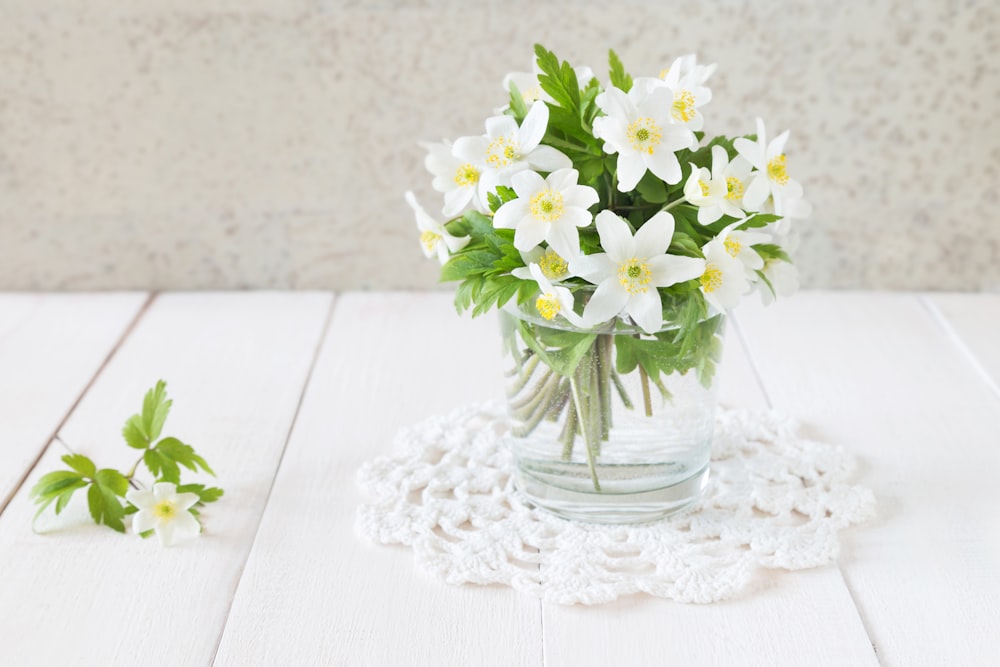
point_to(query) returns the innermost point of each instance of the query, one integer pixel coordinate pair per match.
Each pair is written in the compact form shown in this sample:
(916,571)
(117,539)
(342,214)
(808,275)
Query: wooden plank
(236,365)
(315,594)
(51,347)
(877,374)
(973,322)
(800,618)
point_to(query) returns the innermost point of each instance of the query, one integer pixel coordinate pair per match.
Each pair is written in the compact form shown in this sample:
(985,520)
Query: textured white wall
(266,143)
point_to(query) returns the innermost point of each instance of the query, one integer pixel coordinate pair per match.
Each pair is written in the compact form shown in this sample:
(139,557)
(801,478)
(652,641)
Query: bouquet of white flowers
(593,210)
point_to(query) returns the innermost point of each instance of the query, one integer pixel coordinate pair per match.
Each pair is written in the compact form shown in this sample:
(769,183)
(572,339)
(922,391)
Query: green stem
(678,202)
(578,401)
(647,402)
(568,434)
(622,394)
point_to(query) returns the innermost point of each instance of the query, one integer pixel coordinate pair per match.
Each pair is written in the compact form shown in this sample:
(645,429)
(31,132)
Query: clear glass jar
(610,425)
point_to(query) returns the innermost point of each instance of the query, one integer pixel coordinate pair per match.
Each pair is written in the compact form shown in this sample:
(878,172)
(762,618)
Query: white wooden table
(286,394)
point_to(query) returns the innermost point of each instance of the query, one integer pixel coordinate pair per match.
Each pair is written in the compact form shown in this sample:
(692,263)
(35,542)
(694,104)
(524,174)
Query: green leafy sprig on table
(164,458)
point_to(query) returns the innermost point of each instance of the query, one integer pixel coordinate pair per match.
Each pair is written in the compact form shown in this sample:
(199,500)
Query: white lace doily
(774,500)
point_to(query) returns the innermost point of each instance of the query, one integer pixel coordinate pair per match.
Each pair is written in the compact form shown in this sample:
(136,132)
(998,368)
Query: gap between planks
(956,339)
(270,489)
(72,408)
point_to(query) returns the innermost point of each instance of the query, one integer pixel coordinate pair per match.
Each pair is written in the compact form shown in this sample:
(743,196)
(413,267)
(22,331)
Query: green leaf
(771,251)
(112,480)
(176,451)
(67,494)
(134,433)
(682,244)
(619,77)
(163,468)
(52,484)
(81,464)
(517,104)
(105,508)
(652,189)
(561,351)
(205,494)
(155,408)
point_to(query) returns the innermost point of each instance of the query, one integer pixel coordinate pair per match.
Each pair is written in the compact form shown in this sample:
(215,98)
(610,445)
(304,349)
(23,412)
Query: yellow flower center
(634,276)
(548,305)
(165,509)
(683,107)
(552,265)
(733,247)
(547,205)
(501,152)
(711,280)
(776,170)
(429,240)
(531,94)
(644,135)
(466,174)
(704,187)
(734,188)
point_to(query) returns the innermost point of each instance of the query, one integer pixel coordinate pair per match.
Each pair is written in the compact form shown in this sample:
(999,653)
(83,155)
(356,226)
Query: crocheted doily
(774,500)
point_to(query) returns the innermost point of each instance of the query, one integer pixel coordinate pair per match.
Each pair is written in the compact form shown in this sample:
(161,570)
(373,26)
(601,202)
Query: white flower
(719,192)
(553,300)
(685,80)
(631,268)
(507,148)
(739,244)
(724,280)
(771,179)
(547,209)
(531,91)
(456,178)
(687,67)
(639,128)
(784,278)
(434,238)
(553,265)
(166,512)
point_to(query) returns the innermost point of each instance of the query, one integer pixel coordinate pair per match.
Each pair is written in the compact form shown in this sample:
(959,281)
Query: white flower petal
(669,270)
(777,145)
(709,214)
(757,192)
(646,310)
(664,164)
(456,200)
(563,179)
(580,196)
(164,490)
(548,159)
(616,236)
(533,127)
(631,168)
(575,217)
(141,499)
(593,268)
(615,103)
(142,521)
(529,233)
(498,126)
(510,214)
(653,238)
(720,160)
(527,183)
(563,238)
(186,500)
(187,526)
(607,301)
(471,149)
(751,152)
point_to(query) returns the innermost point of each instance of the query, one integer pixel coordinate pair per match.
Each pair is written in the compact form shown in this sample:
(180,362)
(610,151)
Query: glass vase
(610,425)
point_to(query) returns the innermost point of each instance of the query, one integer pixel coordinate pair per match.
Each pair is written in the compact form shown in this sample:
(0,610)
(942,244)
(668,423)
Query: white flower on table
(434,238)
(456,178)
(771,180)
(720,191)
(166,512)
(547,209)
(631,269)
(552,299)
(784,279)
(724,280)
(507,148)
(639,127)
